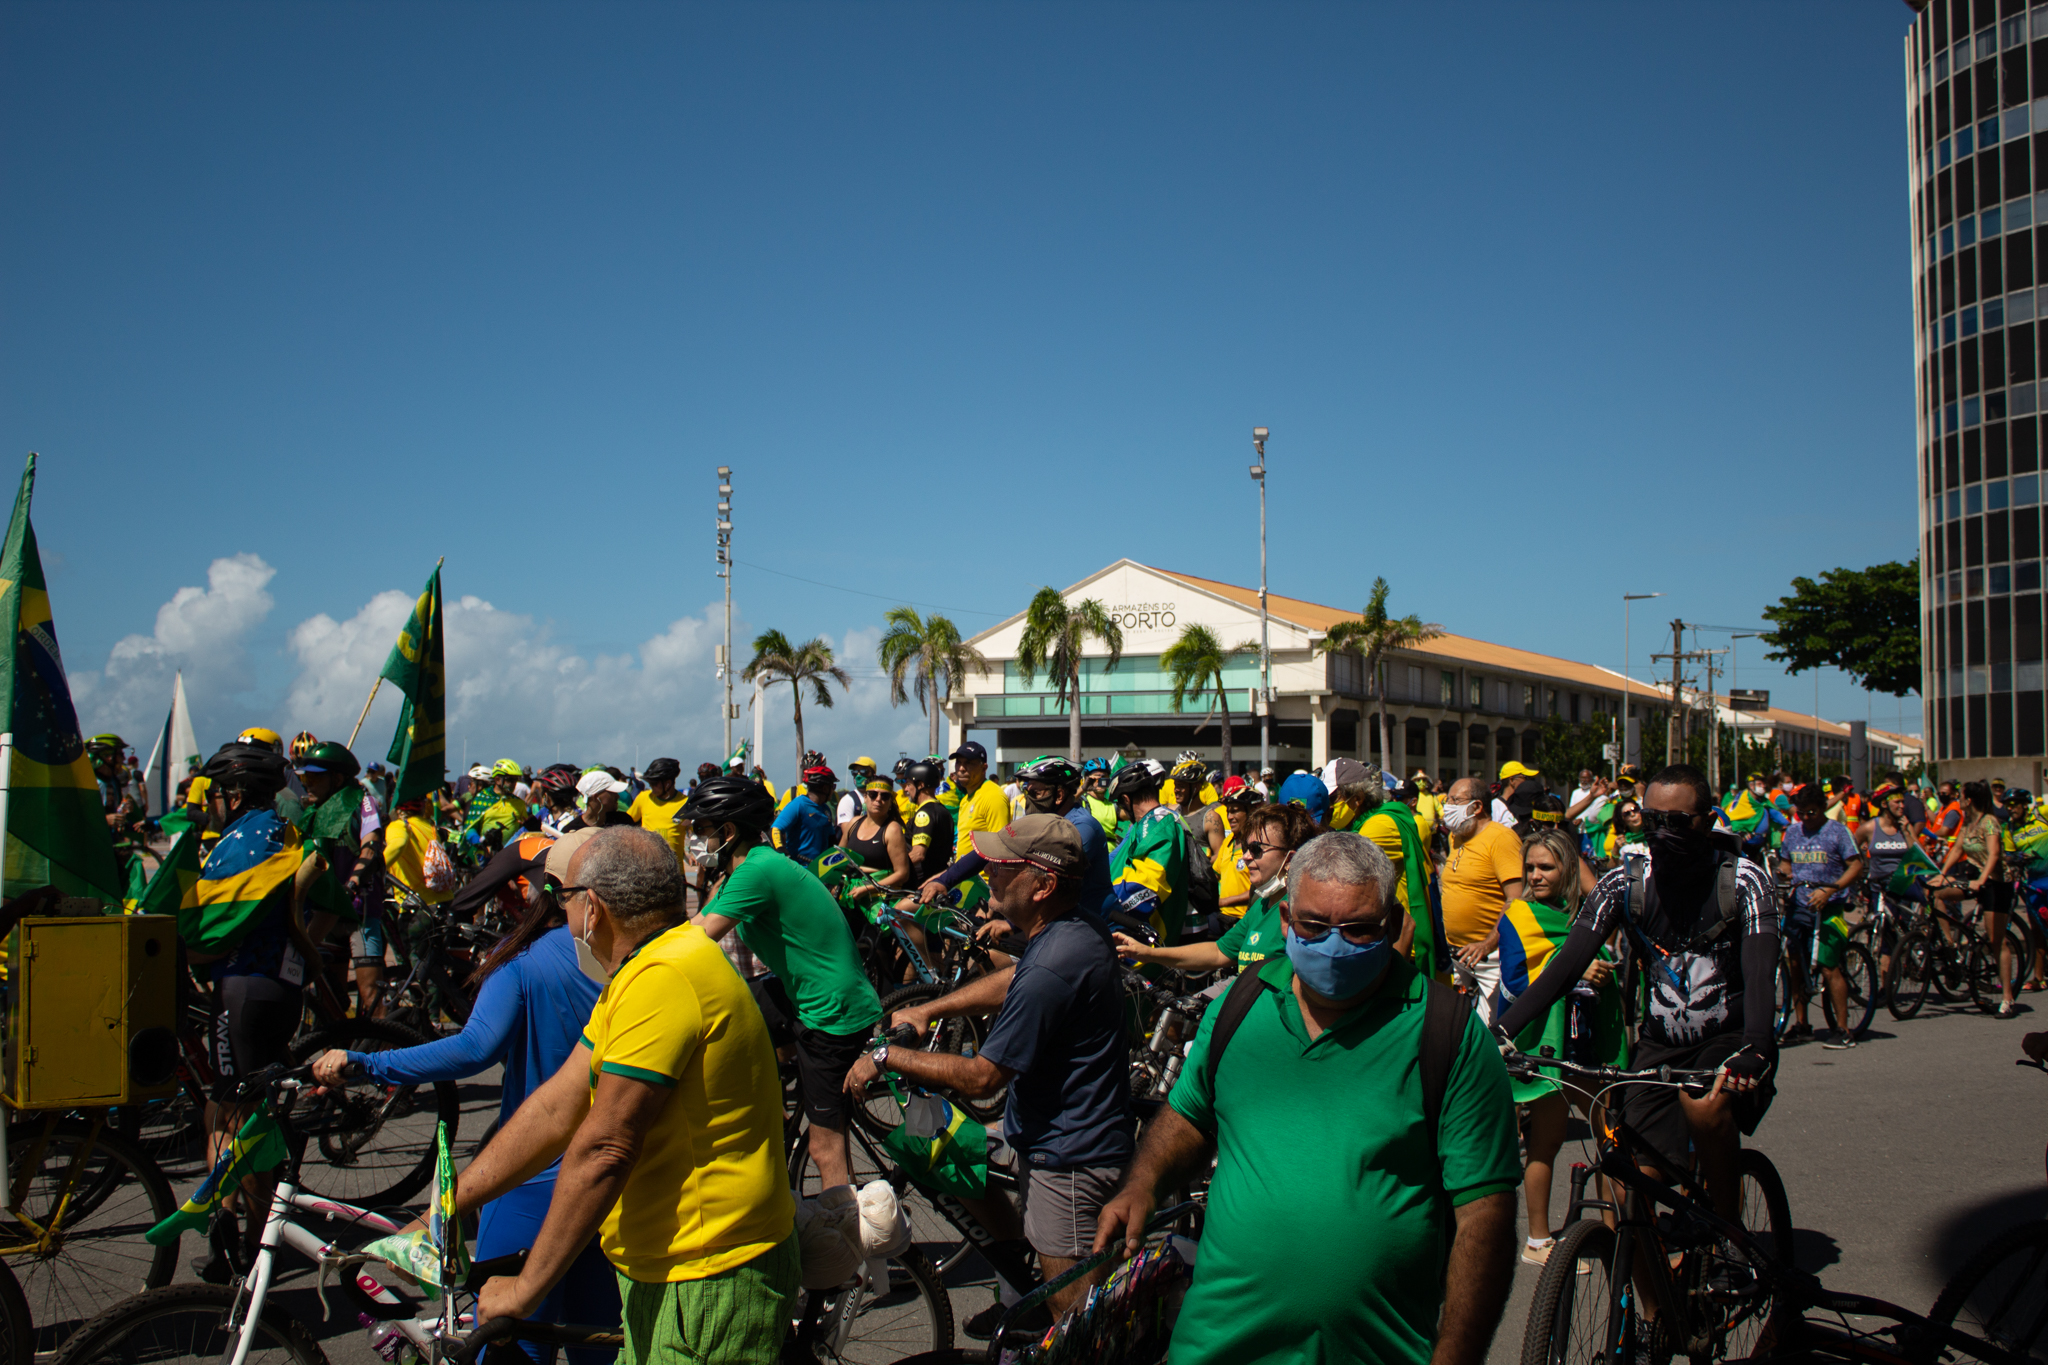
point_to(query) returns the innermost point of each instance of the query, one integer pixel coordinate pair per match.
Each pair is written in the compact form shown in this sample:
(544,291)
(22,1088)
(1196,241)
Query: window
(2016,121)
(1973,582)
(2026,577)
(1941,65)
(1987,133)
(1475,692)
(1994,311)
(1966,142)
(1414,683)
(2013,31)
(1987,44)
(1948,240)
(2020,307)
(2025,491)
(2018,214)
(2001,580)
(1447,688)
(1550,700)
(1528,700)
(1973,499)
(1972,412)
(1966,230)
(1948,330)
(1994,496)
(1955,503)
(1969,322)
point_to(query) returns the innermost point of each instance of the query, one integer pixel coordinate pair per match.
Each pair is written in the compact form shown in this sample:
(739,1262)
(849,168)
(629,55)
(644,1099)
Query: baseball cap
(1307,791)
(868,763)
(1047,841)
(1347,771)
(562,849)
(1513,769)
(591,783)
(971,751)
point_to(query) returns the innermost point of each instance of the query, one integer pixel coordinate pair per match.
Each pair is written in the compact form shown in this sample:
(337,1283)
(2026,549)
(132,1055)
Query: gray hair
(635,873)
(1345,858)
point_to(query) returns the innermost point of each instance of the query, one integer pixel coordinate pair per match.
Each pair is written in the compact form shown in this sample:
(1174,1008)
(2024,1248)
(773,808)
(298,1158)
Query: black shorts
(253,1023)
(1653,1110)
(822,1059)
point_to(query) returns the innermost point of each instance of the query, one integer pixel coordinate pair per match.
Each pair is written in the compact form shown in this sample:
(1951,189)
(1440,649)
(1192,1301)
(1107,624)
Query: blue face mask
(1336,969)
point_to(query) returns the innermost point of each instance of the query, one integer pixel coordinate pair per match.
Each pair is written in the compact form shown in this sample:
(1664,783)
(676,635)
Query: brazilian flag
(1915,867)
(176,877)
(418,668)
(56,825)
(1745,812)
(252,863)
(258,1147)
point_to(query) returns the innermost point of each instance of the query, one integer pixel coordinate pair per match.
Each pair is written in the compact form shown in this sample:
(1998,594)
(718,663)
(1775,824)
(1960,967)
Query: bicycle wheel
(1983,968)
(1911,974)
(912,1315)
(1747,1307)
(17,1325)
(96,1255)
(1570,1314)
(376,1142)
(1784,996)
(1861,969)
(2001,1294)
(962,1037)
(187,1322)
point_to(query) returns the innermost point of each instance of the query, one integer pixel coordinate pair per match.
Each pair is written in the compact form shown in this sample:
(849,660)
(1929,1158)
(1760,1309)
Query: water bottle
(385,1338)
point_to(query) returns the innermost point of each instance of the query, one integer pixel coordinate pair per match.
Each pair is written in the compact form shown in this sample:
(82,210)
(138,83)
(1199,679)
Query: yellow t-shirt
(405,857)
(1472,878)
(1382,830)
(1230,878)
(987,809)
(709,1191)
(660,818)
(1429,812)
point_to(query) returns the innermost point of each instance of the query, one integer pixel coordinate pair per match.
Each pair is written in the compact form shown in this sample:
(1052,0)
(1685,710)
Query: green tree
(927,653)
(1865,622)
(1054,634)
(1372,636)
(1196,662)
(809,664)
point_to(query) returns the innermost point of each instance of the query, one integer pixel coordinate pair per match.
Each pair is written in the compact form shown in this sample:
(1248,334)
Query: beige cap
(562,850)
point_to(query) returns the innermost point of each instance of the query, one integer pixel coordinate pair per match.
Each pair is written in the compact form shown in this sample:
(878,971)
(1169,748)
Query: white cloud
(204,631)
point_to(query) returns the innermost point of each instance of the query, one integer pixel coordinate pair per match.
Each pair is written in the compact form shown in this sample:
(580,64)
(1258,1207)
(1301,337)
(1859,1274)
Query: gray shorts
(1061,1208)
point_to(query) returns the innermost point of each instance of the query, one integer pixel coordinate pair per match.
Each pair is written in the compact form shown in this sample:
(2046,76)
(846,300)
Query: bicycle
(1801,979)
(441,953)
(1948,957)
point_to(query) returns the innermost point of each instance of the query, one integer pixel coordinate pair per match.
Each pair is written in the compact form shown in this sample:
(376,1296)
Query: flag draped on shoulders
(56,823)
(417,668)
(255,860)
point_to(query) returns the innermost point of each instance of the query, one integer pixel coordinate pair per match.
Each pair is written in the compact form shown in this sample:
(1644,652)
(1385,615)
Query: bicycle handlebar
(1524,1064)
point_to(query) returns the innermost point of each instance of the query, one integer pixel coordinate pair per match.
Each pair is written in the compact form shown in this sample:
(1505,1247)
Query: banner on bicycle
(257,1148)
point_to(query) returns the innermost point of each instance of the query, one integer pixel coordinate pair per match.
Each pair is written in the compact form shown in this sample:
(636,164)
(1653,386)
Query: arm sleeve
(1759,958)
(1590,929)
(480,1046)
(502,868)
(960,871)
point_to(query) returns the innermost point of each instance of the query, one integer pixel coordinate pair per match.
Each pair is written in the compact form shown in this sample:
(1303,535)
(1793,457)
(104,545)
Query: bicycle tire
(1783,982)
(1764,1210)
(98,1254)
(17,1325)
(1861,970)
(1568,1314)
(2001,1293)
(1983,968)
(880,1113)
(1910,972)
(186,1322)
(915,1315)
(385,1154)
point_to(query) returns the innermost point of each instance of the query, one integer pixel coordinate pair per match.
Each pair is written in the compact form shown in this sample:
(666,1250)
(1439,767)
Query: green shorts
(1834,937)
(737,1318)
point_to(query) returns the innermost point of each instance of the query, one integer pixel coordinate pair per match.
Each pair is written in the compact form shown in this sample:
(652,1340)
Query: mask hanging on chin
(587,960)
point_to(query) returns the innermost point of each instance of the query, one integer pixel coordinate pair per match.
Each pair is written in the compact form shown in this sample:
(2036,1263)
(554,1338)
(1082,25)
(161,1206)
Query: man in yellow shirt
(654,810)
(1480,876)
(1428,808)
(407,838)
(668,1121)
(982,803)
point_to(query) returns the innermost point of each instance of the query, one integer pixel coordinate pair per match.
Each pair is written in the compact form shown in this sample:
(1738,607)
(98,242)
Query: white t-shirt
(1501,814)
(849,808)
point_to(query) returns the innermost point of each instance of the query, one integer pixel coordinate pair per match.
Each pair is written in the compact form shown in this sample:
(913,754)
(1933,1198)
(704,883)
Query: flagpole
(366,711)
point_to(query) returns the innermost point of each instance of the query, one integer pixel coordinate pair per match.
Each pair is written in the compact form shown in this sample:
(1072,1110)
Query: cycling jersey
(1154,855)
(931,839)
(806,828)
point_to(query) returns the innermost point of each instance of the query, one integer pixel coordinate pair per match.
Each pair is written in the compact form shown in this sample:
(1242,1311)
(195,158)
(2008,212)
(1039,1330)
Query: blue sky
(1542,304)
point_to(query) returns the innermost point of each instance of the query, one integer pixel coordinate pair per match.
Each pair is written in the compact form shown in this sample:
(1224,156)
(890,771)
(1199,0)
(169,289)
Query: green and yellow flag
(56,824)
(175,880)
(258,1147)
(417,668)
(251,866)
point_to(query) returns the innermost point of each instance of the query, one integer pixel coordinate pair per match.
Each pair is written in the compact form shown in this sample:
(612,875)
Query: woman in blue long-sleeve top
(530,1011)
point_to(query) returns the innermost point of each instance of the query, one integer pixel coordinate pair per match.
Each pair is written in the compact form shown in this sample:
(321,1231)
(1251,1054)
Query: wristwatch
(879,1055)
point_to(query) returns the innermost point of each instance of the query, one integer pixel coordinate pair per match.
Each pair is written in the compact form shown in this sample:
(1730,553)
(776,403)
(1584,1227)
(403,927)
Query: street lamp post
(725,572)
(1734,679)
(1265,645)
(1626,599)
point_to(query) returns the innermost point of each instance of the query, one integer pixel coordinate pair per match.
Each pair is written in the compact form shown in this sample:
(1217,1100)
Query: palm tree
(929,653)
(1054,633)
(1372,635)
(1196,662)
(810,663)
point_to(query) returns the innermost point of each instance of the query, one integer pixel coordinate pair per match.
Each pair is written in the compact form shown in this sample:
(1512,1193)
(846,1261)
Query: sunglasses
(1670,819)
(1315,931)
(562,893)
(1259,848)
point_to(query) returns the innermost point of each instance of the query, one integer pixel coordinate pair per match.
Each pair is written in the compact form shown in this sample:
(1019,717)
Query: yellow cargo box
(91,1011)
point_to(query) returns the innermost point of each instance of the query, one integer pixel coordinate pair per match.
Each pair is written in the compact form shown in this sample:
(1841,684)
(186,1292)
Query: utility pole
(1674,745)
(1259,435)
(725,571)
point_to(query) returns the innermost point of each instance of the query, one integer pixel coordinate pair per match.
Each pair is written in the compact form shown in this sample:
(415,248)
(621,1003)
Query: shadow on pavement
(1965,1231)
(1814,1251)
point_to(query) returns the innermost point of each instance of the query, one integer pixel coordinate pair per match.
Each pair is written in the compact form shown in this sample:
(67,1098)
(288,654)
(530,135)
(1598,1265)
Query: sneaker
(2008,1010)
(1539,1255)
(982,1326)
(1798,1033)
(1838,1039)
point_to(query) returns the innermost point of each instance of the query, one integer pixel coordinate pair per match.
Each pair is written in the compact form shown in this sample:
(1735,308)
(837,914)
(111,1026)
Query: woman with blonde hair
(1584,1026)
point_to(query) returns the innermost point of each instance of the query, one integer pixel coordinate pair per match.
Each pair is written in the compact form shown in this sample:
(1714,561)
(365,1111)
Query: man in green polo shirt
(1315,1118)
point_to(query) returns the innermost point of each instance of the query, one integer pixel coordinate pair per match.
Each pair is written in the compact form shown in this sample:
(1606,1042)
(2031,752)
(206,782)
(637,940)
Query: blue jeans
(587,1295)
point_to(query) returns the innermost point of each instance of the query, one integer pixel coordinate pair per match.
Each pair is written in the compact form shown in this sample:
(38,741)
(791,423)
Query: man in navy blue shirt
(806,825)
(1058,1042)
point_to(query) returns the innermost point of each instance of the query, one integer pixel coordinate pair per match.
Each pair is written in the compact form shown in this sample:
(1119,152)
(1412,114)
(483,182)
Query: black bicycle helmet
(735,800)
(924,773)
(1140,778)
(663,770)
(255,769)
(1052,769)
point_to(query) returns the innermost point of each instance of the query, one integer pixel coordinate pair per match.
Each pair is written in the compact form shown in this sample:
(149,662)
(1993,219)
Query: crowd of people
(639,1152)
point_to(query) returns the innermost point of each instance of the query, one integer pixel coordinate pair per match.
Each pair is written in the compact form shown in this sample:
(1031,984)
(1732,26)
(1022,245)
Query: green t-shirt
(1256,936)
(1155,855)
(790,921)
(333,829)
(1320,1144)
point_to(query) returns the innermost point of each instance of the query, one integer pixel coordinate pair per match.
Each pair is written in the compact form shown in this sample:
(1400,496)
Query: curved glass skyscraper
(1977,92)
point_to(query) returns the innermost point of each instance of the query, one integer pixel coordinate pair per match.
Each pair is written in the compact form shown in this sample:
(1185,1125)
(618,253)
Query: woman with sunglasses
(875,838)
(1272,834)
(532,1004)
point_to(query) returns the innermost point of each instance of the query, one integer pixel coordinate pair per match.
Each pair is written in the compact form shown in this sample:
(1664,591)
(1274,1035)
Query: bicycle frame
(17,1193)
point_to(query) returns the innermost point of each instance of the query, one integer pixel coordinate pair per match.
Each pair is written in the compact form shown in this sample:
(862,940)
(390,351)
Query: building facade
(1977,116)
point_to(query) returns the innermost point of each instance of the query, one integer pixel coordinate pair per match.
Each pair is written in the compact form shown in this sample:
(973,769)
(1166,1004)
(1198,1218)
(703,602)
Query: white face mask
(1270,889)
(1458,819)
(587,960)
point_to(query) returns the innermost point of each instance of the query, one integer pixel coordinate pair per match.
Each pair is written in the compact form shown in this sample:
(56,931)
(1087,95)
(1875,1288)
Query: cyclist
(1149,872)
(804,828)
(656,808)
(339,824)
(532,1002)
(1226,817)
(853,801)
(408,841)
(554,802)
(930,823)
(876,839)
(1094,777)
(1700,923)
(1824,863)
(1943,821)
(600,789)
(1048,785)
(1886,840)
(106,753)
(494,812)
(1272,834)
(1977,857)
(982,805)
(790,921)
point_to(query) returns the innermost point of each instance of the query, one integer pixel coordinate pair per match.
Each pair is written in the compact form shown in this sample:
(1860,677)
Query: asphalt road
(1900,1158)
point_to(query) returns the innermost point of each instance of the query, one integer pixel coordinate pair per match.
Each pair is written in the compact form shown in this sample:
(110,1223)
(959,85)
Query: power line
(878,596)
